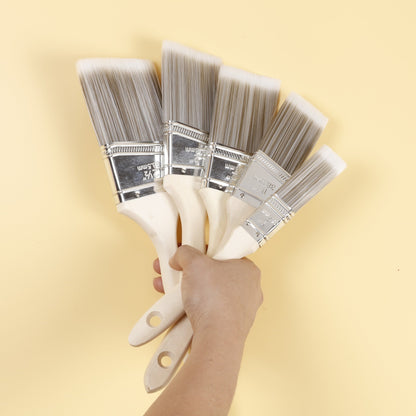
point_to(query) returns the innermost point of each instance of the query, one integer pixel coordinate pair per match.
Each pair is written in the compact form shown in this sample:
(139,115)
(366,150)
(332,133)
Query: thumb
(184,256)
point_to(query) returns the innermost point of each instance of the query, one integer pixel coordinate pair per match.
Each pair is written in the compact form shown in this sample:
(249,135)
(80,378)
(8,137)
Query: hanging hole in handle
(165,359)
(154,319)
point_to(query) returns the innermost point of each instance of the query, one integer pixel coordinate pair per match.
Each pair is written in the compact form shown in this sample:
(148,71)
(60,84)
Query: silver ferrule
(185,149)
(135,169)
(260,179)
(224,166)
(268,219)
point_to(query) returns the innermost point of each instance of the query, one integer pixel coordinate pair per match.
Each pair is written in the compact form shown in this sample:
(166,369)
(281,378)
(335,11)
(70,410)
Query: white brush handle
(158,217)
(184,191)
(240,244)
(235,213)
(174,346)
(168,309)
(215,202)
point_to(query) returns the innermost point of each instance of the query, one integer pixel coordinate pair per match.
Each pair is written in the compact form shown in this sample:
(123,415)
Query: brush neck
(270,217)
(224,167)
(135,169)
(259,180)
(185,149)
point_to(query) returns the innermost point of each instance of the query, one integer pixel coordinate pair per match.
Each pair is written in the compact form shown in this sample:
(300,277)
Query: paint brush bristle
(123,97)
(189,80)
(293,133)
(244,106)
(320,169)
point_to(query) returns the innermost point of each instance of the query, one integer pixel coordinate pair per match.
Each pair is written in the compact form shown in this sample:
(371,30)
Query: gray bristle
(244,106)
(123,98)
(312,177)
(293,132)
(189,81)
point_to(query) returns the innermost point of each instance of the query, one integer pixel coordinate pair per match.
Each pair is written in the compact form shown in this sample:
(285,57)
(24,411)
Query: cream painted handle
(239,245)
(158,217)
(215,202)
(168,309)
(235,213)
(184,191)
(173,347)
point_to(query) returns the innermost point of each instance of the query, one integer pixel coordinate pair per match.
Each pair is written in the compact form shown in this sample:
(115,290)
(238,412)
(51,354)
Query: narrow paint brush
(244,106)
(287,143)
(123,99)
(317,172)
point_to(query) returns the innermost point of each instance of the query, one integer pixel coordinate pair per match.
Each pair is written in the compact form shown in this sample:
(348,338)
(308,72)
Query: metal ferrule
(224,166)
(261,178)
(268,219)
(185,149)
(135,169)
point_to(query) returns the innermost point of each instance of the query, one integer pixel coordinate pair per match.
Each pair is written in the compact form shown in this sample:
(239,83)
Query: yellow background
(336,332)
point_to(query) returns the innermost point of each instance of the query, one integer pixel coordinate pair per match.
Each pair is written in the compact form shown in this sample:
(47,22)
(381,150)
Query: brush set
(209,142)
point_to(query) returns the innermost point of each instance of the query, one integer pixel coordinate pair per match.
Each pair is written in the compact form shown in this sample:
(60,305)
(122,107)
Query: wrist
(218,334)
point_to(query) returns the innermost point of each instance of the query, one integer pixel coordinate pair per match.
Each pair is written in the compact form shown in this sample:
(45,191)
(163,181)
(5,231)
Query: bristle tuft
(123,97)
(189,81)
(317,172)
(244,106)
(293,132)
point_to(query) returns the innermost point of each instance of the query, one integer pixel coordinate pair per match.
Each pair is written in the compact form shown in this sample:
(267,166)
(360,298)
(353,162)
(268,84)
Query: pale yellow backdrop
(336,332)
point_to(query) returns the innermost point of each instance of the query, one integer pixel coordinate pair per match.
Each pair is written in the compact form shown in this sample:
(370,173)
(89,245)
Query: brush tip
(255,80)
(93,64)
(170,47)
(308,109)
(337,164)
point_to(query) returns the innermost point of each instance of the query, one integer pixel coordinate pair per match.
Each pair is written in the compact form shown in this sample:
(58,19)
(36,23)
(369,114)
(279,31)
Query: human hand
(217,295)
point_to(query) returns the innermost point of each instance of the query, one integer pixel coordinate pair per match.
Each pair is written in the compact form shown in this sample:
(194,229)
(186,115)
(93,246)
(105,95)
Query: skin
(221,299)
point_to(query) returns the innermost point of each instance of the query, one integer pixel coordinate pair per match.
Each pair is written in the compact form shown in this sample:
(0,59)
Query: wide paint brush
(123,98)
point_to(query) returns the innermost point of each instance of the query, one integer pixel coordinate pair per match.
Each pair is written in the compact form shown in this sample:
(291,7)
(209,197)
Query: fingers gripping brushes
(315,174)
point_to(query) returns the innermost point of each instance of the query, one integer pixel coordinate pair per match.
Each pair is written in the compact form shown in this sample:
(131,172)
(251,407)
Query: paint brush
(189,80)
(288,141)
(317,172)
(244,106)
(123,98)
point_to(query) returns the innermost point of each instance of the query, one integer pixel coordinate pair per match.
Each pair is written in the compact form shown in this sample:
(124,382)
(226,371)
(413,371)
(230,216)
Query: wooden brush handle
(236,212)
(184,191)
(215,203)
(173,347)
(168,309)
(158,217)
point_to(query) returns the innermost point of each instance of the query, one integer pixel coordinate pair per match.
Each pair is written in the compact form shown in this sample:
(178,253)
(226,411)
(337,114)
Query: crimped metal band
(260,179)
(268,219)
(224,167)
(135,169)
(185,149)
